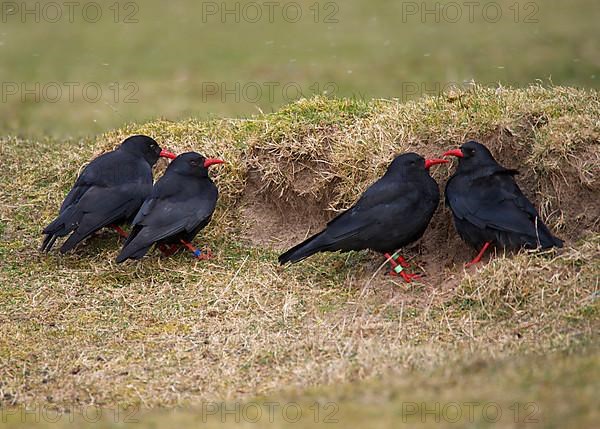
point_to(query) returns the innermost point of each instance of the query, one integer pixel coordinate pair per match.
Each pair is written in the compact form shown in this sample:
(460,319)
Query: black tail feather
(132,249)
(48,242)
(59,227)
(131,252)
(72,241)
(545,237)
(303,250)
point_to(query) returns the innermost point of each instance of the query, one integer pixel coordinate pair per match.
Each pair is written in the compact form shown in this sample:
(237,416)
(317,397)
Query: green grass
(170,54)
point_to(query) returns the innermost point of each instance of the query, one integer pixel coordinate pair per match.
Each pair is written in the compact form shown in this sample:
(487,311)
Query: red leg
(120,231)
(397,259)
(398,269)
(477,258)
(402,262)
(198,253)
(408,278)
(391,260)
(168,250)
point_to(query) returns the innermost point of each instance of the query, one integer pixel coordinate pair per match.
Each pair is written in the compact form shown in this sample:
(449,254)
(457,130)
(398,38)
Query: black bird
(109,191)
(488,206)
(181,204)
(392,213)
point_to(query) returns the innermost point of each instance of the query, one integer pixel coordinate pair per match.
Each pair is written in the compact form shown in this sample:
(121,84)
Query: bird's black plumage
(109,190)
(489,207)
(392,213)
(181,204)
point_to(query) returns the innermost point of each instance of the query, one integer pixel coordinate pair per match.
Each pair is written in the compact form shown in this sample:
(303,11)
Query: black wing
(100,207)
(164,216)
(109,189)
(496,202)
(380,205)
(387,207)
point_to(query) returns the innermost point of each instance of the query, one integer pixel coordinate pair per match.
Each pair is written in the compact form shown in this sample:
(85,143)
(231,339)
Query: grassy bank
(78,329)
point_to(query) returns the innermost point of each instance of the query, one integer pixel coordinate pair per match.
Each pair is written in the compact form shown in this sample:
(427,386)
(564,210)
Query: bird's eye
(194,163)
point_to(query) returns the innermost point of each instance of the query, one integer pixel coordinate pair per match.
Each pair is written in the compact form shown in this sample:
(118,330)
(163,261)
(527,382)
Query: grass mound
(162,332)
(290,171)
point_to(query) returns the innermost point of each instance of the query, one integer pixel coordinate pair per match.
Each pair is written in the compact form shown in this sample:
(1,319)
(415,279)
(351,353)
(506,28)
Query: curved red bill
(167,154)
(430,162)
(454,152)
(212,161)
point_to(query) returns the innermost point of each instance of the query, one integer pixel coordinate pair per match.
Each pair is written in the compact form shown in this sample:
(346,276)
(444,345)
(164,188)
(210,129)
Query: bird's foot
(477,258)
(408,277)
(120,231)
(203,255)
(403,262)
(168,250)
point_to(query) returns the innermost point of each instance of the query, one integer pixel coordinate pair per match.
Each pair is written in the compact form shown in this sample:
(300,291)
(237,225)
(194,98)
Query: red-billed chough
(109,191)
(489,208)
(181,204)
(392,213)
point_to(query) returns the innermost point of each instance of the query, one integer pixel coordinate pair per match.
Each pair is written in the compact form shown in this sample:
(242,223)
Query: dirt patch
(280,220)
(287,196)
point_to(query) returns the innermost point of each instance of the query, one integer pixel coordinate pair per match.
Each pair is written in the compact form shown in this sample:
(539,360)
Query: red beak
(212,161)
(430,162)
(454,152)
(167,154)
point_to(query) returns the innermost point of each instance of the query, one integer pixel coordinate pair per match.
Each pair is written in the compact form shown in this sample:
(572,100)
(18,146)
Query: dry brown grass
(163,332)
(528,289)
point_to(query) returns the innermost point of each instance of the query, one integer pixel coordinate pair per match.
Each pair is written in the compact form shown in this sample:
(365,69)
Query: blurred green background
(183,58)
